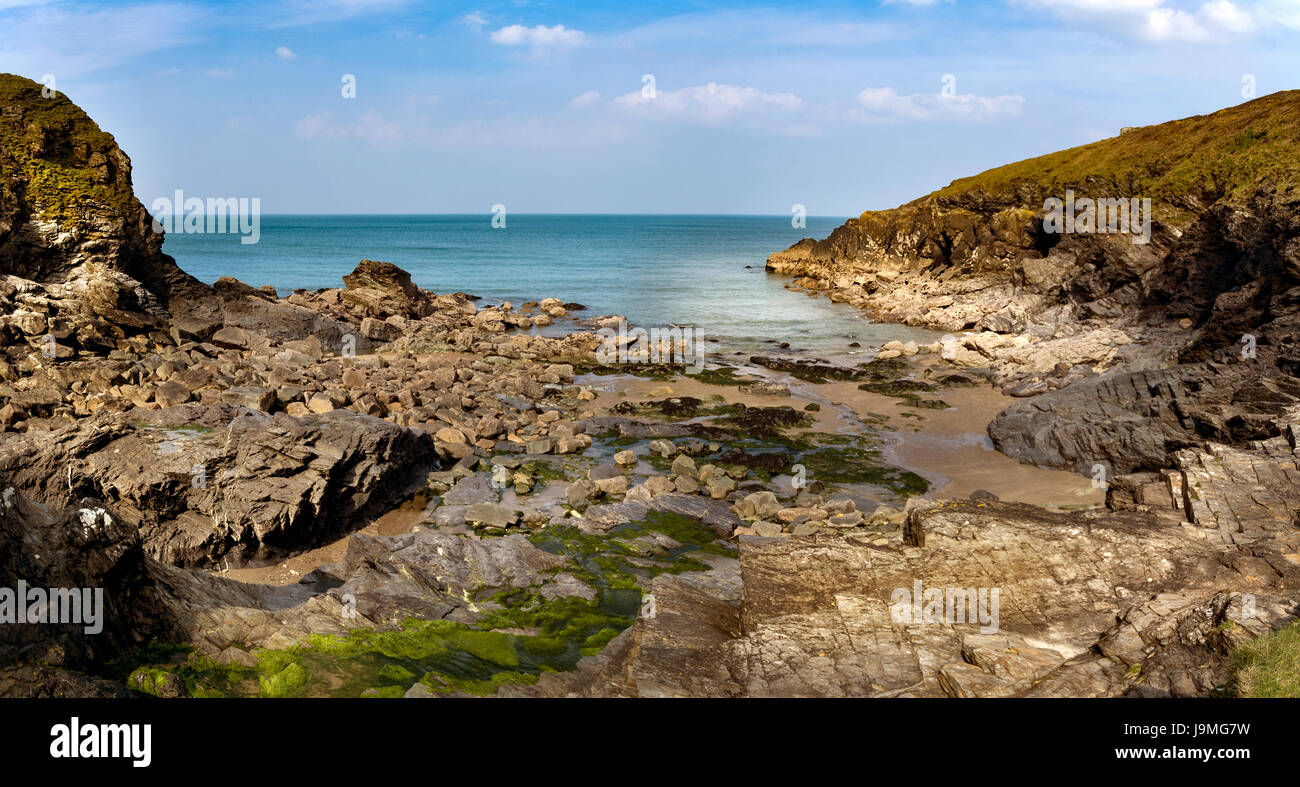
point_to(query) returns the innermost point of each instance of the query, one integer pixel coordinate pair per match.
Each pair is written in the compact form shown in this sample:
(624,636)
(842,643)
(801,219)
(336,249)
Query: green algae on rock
(521,634)
(65,165)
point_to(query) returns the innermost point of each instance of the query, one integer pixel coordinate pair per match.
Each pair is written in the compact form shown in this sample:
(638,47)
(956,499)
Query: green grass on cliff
(1184,166)
(50,148)
(1269,666)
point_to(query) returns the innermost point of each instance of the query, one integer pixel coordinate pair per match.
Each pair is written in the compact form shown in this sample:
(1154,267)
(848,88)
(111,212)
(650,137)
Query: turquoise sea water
(654,270)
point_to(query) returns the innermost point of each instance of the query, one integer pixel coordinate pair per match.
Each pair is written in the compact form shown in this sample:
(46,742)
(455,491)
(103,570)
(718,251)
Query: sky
(595,107)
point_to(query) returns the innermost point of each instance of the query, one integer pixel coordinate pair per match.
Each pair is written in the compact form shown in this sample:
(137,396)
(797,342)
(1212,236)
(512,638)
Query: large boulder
(218,484)
(83,547)
(381,289)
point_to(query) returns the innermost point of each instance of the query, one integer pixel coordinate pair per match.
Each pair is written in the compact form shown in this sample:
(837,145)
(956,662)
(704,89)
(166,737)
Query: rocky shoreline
(221,460)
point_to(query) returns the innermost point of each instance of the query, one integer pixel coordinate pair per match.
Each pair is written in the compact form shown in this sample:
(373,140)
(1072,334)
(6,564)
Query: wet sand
(951,447)
(400,520)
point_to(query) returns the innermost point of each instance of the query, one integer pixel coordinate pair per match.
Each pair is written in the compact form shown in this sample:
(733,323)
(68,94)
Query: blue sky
(539,106)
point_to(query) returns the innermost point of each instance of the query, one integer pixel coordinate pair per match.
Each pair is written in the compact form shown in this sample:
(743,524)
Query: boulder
(218,484)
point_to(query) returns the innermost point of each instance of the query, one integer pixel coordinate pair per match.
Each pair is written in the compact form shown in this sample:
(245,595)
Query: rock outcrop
(67,211)
(81,547)
(1088,604)
(1217,285)
(223,485)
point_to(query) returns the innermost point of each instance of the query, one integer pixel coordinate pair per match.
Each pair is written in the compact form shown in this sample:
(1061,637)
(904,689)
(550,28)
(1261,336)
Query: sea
(655,270)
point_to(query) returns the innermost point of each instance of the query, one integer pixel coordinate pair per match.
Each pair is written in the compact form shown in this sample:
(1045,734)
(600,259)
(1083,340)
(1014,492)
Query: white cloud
(295,13)
(1227,16)
(218,73)
(1157,20)
(370,127)
(1283,12)
(284,53)
(585,100)
(709,103)
(779,30)
(539,37)
(474,21)
(311,126)
(886,103)
(69,42)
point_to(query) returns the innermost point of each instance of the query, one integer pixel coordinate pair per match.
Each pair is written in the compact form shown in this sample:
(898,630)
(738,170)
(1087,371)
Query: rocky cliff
(976,255)
(68,214)
(1200,305)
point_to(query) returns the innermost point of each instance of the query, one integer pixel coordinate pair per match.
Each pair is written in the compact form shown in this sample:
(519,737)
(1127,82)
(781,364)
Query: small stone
(450,435)
(612,486)
(662,448)
(659,485)
(764,388)
(638,494)
(846,520)
(884,515)
(757,506)
(719,488)
(170,394)
(319,403)
(471,490)
(491,515)
(250,396)
(580,493)
(686,485)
